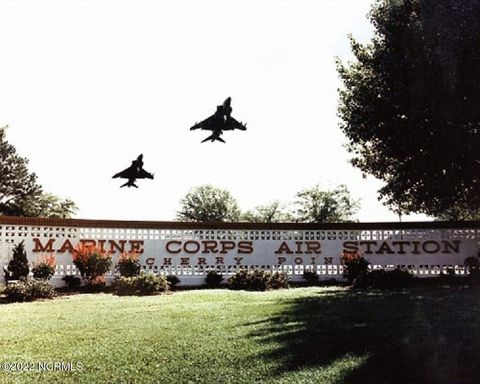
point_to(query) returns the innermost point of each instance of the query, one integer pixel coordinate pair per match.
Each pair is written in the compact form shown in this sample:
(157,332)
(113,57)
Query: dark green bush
(43,271)
(240,280)
(124,286)
(173,280)
(448,277)
(72,282)
(472,264)
(278,280)
(381,279)
(150,284)
(41,289)
(213,279)
(311,277)
(29,290)
(18,292)
(257,280)
(18,267)
(474,277)
(363,280)
(144,284)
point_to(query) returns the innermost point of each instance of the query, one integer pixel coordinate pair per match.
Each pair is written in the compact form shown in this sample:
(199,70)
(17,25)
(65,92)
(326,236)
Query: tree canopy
(275,212)
(208,204)
(410,104)
(315,205)
(312,205)
(20,193)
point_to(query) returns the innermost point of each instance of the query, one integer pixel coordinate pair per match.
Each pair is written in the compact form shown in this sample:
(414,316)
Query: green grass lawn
(303,335)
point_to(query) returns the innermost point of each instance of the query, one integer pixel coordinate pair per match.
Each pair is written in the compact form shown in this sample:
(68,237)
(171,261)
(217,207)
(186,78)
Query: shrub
(143,284)
(173,280)
(213,279)
(278,280)
(97,284)
(363,280)
(18,292)
(29,290)
(472,264)
(18,268)
(381,279)
(124,286)
(91,261)
(257,280)
(448,277)
(44,268)
(354,264)
(311,277)
(72,282)
(41,289)
(150,284)
(128,264)
(240,280)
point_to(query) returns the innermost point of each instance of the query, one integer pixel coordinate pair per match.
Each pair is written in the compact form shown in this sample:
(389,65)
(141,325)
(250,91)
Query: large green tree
(410,105)
(317,205)
(275,212)
(20,193)
(50,205)
(208,204)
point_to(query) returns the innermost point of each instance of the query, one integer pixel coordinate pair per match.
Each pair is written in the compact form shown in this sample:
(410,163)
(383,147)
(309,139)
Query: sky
(86,86)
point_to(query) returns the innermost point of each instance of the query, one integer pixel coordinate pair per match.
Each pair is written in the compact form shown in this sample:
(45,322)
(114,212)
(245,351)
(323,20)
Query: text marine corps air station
(191,250)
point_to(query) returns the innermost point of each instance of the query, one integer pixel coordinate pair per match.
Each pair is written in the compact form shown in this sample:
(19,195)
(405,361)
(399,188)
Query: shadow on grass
(413,336)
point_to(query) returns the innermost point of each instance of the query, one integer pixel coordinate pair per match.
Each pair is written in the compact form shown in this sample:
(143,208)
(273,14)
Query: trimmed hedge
(381,279)
(43,271)
(213,279)
(28,291)
(311,277)
(144,284)
(72,282)
(258,280)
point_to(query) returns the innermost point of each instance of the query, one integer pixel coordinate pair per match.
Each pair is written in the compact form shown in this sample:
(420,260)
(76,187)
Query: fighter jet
(134,172)
(220,121)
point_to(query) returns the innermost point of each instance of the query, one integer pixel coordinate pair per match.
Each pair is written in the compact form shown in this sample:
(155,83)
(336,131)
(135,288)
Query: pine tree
(18,268)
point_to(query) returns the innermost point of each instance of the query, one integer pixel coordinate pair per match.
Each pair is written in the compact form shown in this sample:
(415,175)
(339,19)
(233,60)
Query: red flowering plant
(44,267)
(92,262)
(128,264)
(354,264)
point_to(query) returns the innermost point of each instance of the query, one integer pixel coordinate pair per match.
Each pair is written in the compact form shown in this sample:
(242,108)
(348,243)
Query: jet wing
(231,124)
(207,124)
(142,174)
(128,173)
